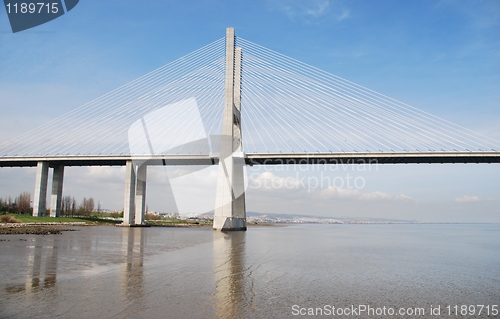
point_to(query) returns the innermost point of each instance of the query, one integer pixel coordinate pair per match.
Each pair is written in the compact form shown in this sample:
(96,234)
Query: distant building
(169,215)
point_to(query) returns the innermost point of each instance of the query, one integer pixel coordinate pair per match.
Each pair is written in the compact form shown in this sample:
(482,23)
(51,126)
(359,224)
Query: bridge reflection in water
(233,297)
(110,272)
(132,271)
(42,263)
(227,288)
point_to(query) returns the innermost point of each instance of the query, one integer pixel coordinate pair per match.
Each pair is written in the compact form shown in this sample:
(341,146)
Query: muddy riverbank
(33,230)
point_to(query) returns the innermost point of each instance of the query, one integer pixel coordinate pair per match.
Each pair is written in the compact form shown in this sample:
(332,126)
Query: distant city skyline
(440,56)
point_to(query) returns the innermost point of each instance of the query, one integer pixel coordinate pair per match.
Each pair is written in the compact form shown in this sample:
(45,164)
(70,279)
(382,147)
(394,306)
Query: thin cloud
(268,181)
(356,194)
(344,15)
(467,199)
(319,9)
(310,10)
(104,175)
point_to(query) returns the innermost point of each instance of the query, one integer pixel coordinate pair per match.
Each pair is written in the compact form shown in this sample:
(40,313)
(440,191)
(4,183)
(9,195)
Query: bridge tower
(230,212)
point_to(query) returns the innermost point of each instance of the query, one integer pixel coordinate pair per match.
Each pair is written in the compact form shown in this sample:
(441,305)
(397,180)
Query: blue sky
(439,56)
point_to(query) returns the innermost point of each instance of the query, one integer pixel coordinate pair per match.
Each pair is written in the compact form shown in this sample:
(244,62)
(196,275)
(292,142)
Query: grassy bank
(44,219)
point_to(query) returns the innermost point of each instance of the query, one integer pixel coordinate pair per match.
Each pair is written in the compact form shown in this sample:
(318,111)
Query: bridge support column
(40,196)
(57,187)
(140,195)
(129,198)
(230,211)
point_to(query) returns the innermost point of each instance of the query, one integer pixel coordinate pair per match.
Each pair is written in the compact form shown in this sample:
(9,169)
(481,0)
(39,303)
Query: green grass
(89,220)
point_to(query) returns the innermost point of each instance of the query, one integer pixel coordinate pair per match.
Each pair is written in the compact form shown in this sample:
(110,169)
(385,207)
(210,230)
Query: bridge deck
(263,159)
(374,158)
(117,160)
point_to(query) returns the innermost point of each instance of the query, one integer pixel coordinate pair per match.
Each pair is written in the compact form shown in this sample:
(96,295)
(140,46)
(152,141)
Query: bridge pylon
(230,211)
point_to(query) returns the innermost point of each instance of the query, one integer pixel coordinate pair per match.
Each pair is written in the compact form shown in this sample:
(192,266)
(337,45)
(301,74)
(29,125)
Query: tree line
(69,206)
(18,205)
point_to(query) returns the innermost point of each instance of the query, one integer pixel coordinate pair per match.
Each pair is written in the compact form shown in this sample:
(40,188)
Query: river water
(266,272)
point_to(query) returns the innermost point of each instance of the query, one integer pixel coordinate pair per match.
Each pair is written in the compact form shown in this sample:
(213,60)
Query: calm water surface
(111,272)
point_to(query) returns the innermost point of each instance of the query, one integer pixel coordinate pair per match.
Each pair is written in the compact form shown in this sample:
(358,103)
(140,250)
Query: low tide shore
(58,228)
(19,229)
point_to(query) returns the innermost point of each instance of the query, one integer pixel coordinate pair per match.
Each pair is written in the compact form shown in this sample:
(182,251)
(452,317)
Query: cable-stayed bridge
(234,103)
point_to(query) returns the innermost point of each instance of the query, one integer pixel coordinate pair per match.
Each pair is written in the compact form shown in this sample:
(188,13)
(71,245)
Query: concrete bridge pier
(129,197)
(134,207)
(230,211)
(57,187)
(40,195)
(140,194)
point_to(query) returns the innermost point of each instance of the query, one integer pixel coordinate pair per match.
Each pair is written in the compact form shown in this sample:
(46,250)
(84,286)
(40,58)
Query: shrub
(116,214)
(150,216)
(7,219)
